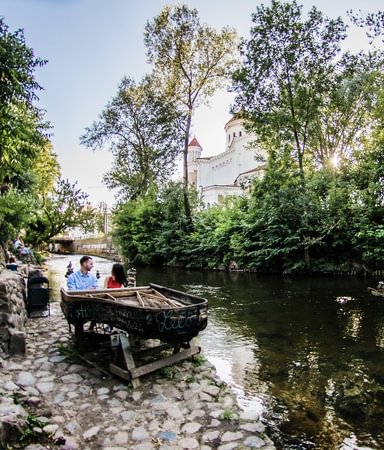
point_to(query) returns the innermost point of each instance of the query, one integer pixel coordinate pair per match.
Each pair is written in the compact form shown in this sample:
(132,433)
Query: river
(308,354)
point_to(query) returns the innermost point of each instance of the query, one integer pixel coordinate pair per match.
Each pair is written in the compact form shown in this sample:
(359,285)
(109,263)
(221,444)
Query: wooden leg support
(122,341)
(132,373)
(151,367)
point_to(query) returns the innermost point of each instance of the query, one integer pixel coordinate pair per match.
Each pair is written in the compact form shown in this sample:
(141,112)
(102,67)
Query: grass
(198,360)
(190,379)
(31,433)
(227,414)
(168,372)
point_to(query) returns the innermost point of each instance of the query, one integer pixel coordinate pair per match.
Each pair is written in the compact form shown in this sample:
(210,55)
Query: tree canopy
(142,129)
(192,61)
(32,200)
(318,113)
(288,65)
(22,128)
(59,210)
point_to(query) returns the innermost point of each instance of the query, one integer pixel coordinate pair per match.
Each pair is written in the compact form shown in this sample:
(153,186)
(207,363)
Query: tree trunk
(187,206)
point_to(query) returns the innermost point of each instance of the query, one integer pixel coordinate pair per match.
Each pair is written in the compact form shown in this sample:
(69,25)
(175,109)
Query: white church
(225,174)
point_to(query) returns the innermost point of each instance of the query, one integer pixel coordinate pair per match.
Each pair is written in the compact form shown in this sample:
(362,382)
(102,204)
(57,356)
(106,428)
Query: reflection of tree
(317,359)
(307,351)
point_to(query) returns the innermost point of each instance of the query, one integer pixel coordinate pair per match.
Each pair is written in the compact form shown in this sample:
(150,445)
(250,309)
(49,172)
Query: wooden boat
(150,312)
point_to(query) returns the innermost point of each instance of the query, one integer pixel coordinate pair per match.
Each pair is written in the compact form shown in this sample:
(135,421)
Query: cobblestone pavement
(79,407)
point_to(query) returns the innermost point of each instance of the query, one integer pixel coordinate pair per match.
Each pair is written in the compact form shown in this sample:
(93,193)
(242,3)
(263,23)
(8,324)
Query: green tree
(372,22)
(16,211)
(22,129)
(214,239)
(64,208)
(367,184)
(274,229)
(140,126)
(45,170)
(136,228)
(23,132)
(345,117)
(192,61)
(288,67)
(17,66)
(173,233)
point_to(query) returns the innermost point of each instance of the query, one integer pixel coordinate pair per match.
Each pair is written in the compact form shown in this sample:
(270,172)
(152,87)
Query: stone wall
(12,312)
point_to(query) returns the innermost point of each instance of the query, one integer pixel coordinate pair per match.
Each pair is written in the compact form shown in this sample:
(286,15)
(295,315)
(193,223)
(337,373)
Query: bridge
(62,239)
(62,244)
(97,246)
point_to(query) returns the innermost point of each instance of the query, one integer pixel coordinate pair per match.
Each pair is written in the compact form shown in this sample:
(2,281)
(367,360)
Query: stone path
(81,408)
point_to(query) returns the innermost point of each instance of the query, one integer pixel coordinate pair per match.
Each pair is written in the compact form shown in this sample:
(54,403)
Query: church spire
(194,143)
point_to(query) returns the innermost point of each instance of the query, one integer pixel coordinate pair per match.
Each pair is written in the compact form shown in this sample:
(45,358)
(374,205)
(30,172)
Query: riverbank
(75,406)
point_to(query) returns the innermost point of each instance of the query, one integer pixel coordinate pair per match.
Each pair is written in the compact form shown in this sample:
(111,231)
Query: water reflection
(306,353)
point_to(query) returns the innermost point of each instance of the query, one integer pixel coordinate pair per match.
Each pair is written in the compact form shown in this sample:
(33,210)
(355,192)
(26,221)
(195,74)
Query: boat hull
(171,325)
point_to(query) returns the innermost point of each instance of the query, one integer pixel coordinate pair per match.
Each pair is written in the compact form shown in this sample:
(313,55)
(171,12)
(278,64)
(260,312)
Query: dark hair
(119,274)
(84,259)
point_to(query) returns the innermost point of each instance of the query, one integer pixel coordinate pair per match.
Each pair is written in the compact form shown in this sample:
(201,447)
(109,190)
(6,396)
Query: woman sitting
(118,279)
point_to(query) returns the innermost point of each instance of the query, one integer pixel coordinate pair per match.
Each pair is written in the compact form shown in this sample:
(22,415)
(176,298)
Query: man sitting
(83,279)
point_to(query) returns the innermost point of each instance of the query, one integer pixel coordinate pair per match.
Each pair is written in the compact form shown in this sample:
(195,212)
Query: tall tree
(17,66)
(345,117)
(22,129)
(140,127)
(192,60)
(23,132)
(373,22)
(287,66)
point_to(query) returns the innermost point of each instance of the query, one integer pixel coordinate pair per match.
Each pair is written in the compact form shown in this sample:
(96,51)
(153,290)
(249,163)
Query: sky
(91,45)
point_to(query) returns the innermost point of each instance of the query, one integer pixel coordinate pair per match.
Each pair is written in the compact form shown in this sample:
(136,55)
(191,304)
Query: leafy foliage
(319,115)
(192,61)
(66,207)
(152,229)
(15,211)
(136,225)
(210,245)
(32,198)
(141,128)
(286,69)
(22,130)
(45,169)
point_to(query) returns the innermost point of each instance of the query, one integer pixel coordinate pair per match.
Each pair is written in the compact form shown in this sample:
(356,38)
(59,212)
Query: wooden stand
(127,368)
(123,354)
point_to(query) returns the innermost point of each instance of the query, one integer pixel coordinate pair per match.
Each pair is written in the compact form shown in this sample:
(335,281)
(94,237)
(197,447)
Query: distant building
(103,208)
(219,176)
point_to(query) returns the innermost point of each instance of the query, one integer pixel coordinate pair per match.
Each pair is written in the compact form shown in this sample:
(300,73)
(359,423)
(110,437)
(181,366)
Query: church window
(240,133)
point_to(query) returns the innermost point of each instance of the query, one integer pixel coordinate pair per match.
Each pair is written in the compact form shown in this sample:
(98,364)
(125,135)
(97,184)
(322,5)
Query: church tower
(234,129)
(194,152)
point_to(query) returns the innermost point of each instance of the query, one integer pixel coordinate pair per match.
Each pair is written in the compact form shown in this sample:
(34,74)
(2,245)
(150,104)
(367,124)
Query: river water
(308,354)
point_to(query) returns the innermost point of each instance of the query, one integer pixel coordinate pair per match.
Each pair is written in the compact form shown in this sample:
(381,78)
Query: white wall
(217,174)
